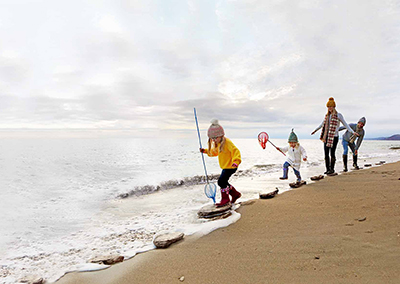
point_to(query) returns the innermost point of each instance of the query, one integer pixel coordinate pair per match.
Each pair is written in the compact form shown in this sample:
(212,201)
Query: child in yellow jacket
(229,160)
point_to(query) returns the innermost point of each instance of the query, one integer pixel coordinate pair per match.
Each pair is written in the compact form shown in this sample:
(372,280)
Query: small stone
(362,219)
(316,257)
(182,279)
(32,280)
(165,240)
(107,260)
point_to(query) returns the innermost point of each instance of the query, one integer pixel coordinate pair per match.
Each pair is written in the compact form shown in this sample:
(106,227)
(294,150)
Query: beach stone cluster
(211,211)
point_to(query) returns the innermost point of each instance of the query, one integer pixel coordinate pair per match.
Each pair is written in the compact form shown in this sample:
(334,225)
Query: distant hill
(393,137)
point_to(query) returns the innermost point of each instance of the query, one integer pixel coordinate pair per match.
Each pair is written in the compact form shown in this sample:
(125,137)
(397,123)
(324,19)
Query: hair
(211,144)
(334,111)
(297,144)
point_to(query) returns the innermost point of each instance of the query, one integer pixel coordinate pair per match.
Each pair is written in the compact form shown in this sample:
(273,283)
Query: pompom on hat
(331,102)
(215,130)
(293,137)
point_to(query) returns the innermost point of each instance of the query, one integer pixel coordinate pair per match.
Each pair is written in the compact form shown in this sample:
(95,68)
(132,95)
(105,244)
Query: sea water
(64,201)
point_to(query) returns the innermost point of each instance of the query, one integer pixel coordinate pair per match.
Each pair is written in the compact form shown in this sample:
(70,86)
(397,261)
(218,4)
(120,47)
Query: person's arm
(341,119)
(210,153)
(283,149)
(359,140)
(303,153)
(342,128)
(319,127)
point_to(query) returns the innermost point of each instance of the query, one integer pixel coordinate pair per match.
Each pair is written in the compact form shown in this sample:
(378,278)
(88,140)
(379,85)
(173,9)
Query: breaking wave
(196,180)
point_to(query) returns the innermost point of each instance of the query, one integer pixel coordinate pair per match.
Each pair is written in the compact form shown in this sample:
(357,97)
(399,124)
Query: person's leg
(327,160)
(285,170)
(345,153)
(333,155)
(234,193)
(297,173)
(353,149)
(225,186)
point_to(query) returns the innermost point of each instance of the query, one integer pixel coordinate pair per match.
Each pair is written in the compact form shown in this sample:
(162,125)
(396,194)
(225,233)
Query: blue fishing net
(210,190)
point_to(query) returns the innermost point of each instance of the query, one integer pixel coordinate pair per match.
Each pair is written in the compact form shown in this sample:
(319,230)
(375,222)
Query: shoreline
(314,234)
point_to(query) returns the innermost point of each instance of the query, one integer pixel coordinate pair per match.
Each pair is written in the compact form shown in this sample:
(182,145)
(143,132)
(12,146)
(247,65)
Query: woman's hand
(202,150)
(234,165)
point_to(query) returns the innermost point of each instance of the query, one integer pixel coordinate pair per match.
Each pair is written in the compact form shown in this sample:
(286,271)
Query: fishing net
(263,139)
(210,190)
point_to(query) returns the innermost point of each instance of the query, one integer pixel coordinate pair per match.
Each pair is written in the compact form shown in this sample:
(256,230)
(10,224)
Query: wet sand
(342,229)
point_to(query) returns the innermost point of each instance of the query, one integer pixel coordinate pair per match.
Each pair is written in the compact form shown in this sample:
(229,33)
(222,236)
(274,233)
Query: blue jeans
(346,146)
(286,166)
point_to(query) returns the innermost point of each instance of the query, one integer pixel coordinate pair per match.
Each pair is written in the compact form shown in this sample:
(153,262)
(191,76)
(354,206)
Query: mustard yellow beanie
(331,103)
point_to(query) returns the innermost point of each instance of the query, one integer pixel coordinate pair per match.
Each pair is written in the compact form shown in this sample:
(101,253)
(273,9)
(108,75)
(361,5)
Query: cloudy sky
(141,66)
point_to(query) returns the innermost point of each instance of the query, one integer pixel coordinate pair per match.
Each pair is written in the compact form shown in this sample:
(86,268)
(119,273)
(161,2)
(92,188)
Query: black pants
(224,177)
(331,150)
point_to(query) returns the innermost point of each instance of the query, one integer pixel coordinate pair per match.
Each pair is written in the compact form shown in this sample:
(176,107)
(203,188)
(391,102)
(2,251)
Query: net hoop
(210,189)
(263,139)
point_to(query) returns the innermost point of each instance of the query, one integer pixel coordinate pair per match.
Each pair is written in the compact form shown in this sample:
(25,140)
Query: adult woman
(330,134)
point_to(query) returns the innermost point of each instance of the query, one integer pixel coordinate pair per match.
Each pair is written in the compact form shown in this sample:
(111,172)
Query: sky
(139,67)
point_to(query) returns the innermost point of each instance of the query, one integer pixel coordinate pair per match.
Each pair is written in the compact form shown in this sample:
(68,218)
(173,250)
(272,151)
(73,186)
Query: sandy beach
(342,229)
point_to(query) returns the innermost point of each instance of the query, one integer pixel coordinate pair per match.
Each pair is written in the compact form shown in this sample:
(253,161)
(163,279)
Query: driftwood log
(269,195)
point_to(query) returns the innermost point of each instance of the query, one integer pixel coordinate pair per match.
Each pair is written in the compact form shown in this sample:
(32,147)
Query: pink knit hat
(215,130)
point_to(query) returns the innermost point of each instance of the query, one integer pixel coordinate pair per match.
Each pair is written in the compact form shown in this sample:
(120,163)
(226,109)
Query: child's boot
(285,173)
(234,193)
(224,197)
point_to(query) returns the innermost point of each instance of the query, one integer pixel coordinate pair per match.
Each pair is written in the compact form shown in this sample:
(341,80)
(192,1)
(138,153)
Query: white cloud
(120,64)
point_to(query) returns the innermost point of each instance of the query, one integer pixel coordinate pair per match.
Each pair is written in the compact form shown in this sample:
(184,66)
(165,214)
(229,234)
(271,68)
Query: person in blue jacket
(349,140)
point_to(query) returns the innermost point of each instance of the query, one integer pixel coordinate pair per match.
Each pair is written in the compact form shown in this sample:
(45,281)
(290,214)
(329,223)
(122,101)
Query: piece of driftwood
(297,184)
(317,177)
(269,195)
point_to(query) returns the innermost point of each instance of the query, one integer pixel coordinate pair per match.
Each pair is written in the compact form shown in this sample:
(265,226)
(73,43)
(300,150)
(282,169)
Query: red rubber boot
(234,193)
(224,197)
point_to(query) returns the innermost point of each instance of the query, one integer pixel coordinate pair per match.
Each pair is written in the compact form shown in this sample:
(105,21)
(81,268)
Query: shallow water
(60,198)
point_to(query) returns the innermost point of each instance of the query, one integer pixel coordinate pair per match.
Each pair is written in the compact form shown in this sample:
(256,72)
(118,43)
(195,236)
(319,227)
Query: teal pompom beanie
(293,137)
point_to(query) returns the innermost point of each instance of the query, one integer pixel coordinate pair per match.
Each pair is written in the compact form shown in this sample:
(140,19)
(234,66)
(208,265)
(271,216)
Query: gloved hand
(202,150)
(234,165)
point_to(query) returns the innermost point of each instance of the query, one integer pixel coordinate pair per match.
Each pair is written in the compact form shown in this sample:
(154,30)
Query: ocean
(64,201)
